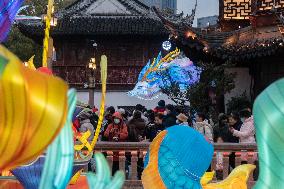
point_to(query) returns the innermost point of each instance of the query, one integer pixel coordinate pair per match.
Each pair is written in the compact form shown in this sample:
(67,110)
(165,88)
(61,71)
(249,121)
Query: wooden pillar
(238,159)
(50,53)
(91,97)
(213,165)
(225,165)
(251,160)
(122,161)
(134,159)
(110,159)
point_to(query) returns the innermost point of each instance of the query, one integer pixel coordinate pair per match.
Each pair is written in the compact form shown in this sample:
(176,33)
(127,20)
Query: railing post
(238,159)
(213,165)
(225,164)
(110,158)
(122,160)
(251,161)
(134,160)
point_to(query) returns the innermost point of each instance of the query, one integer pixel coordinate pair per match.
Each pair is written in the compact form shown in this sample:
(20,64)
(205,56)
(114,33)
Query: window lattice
(237,9)
(268,4)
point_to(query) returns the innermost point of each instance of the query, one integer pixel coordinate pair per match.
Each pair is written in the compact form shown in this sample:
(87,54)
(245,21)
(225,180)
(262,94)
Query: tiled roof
(238,45)
(101,17)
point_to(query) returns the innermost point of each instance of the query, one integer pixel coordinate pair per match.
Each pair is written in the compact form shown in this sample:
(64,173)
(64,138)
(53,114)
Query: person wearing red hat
(116,132)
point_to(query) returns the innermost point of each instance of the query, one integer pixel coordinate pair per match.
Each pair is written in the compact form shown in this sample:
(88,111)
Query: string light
(190,34)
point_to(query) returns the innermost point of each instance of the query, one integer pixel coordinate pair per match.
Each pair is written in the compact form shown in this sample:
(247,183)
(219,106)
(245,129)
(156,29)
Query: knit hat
(184,157)
(121,111)
(161,104)
(182,117)
(85,115)
(85,112)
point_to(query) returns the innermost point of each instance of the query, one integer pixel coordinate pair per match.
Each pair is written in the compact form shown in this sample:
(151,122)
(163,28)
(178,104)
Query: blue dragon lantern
(173,68)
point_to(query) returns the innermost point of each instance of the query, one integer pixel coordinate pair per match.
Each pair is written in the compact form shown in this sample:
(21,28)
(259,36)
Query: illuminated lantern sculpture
(174,67)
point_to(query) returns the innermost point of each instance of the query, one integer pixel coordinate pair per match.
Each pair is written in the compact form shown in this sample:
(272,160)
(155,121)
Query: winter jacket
(221,130)
(114,130)
(76,124)
(247,132)
(87,126)
(169,120)
(94,119)
(136,128)
(142,116)
(159,110)
(232,138)
(205,129)
(150,131)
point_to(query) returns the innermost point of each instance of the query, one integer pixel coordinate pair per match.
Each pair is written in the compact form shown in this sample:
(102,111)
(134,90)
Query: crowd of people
(143,125)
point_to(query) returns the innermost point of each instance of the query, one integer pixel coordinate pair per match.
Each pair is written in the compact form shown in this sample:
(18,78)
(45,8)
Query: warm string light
(190,34)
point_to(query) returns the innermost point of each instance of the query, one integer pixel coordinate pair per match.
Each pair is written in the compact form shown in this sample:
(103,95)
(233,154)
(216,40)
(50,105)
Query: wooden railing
(137,151)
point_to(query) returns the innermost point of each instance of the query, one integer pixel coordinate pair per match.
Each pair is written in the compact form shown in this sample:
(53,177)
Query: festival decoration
(102,179)
(207,177)
(30,63)
(237,179)
(46,32)
(83,139)
(103,65)
(8,11)
(60,154)
(269,118)
(178,158)
(174,67)
(42,101)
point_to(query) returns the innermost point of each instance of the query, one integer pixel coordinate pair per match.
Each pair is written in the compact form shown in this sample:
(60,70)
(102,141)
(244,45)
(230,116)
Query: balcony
(130,153)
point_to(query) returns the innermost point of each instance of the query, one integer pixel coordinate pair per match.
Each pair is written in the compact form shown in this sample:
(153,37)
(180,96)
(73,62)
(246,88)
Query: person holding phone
(117,130)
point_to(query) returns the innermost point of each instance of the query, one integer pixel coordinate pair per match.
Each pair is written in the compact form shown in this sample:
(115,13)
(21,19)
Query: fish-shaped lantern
(33,110)
(178,158)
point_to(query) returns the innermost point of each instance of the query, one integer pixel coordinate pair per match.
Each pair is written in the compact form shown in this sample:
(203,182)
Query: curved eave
(98,26)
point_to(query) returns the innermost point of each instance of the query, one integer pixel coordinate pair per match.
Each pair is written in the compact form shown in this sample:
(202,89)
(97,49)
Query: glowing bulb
(167,45)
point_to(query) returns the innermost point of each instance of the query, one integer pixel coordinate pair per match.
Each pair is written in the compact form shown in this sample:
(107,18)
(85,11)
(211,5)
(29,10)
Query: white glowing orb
(167,45)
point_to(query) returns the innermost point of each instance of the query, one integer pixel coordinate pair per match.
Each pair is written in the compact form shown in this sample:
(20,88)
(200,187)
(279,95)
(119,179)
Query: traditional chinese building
(250,35)
(127,31)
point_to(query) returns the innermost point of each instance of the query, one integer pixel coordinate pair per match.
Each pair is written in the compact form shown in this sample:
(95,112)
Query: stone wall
(120,98)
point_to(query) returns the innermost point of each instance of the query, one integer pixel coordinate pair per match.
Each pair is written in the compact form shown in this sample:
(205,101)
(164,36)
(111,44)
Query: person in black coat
(170,117)
(222,129)
(235,122)
(151,128)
